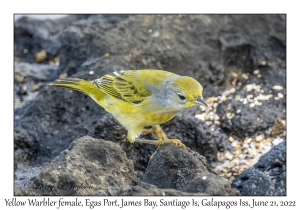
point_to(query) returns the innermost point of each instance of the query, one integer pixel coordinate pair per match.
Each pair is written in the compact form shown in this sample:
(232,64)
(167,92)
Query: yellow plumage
(140,98)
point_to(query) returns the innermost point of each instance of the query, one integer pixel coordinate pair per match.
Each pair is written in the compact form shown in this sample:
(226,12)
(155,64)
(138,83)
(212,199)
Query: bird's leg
(148,131)
(160,133)
(161,137)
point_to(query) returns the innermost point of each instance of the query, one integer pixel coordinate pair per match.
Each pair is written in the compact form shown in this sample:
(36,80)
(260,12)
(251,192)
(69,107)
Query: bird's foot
(162,138)
(161,142)
(152,156)
(176,142)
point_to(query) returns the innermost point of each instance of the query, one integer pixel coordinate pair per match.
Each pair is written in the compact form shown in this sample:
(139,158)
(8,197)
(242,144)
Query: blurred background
(240,60)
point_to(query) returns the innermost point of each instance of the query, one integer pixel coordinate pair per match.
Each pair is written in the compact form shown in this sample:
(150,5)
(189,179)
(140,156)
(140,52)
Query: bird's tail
(81,85)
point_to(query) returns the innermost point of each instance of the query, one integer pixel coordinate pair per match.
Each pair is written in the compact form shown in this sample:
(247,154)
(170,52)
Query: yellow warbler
(140,98)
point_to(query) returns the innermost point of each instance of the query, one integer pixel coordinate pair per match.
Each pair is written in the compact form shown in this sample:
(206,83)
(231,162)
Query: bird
(139,99)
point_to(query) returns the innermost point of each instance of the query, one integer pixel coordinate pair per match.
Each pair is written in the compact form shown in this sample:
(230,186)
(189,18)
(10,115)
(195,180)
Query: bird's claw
(177,142)
(152,155)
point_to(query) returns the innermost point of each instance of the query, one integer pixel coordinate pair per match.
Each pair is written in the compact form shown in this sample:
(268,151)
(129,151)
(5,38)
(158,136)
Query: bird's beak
(201,101)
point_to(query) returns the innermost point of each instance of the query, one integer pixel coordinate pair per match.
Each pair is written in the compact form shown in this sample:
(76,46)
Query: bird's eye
(181,97)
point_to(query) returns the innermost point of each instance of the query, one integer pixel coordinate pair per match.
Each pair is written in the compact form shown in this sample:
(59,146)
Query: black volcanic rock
(88,167)
(185,170)
(267,177)
(96,167)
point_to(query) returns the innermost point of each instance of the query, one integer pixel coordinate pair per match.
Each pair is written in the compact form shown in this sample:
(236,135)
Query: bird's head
(185,92)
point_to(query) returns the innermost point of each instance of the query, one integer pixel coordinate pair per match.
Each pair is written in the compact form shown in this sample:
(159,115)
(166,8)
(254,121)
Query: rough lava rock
(88,167)
(97,167)
(206,47)
(32,35)
(267,177)
(245,122)
(185,170)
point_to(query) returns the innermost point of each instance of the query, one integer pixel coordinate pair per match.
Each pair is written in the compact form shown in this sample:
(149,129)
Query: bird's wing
(124,85)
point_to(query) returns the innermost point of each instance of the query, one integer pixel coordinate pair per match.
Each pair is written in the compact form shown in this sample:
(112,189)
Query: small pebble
(106,55)
(247,141)
(260,137)
(252,87)
(241,156)
(237,97)
(252,145)
(217,122)
(261,97)
(277,141)
(230,115)
(256,71)
(41,56)
(209,123)
(223,98)
(249,96)
(245,146)
(245,76)
(277,87)
(216,117)
(280,95)
(203,108)
(233,144)
(63,75)
(234,74)
(200,117)
(155,34)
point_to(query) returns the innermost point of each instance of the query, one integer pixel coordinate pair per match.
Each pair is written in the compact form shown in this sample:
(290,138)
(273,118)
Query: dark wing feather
(124,85)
